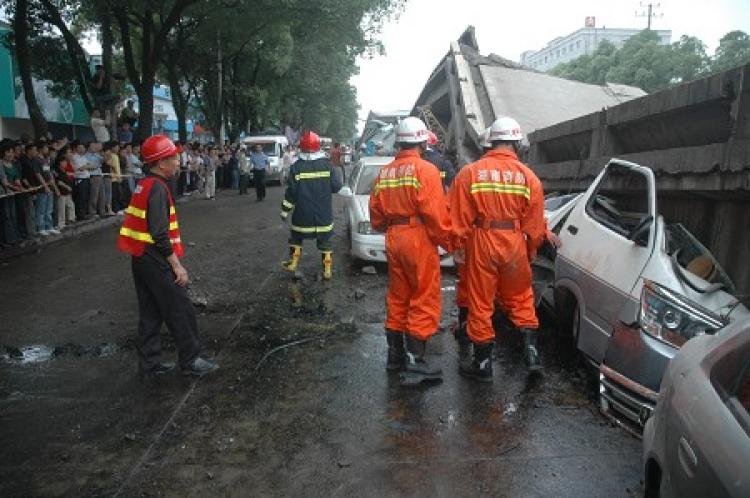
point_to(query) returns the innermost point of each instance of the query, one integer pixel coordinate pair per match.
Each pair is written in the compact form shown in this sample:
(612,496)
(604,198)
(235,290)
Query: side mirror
(640,232)
(345,191)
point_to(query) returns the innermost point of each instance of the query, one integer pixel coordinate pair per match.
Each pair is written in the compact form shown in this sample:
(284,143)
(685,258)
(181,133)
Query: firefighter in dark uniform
(151,235)
(447,171)
(309,190)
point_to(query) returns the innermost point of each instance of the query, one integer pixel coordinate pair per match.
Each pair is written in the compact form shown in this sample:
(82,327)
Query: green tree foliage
(282,61)
(733,51)
(644,63)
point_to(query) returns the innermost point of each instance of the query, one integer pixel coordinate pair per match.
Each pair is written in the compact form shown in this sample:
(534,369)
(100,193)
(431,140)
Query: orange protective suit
(408,203)
(497,213)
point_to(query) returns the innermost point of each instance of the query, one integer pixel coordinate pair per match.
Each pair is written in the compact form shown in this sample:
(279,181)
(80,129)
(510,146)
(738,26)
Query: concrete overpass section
(696,138)
(467,91)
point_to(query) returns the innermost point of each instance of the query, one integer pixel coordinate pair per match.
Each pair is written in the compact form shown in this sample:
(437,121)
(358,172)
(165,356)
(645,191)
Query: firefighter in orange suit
(408,204)
(150,233)
(497,214)
(462,294)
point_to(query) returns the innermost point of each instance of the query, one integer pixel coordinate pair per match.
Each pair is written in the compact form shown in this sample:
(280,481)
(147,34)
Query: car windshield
(366,179)
(555,203)
(694,257)
(269,148)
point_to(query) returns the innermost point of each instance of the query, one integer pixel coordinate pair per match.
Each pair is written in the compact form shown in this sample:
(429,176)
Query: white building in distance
(584,41)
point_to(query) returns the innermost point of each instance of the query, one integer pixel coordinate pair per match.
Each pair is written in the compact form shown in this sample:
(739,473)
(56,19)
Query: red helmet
(431,138)
(158,147)
(310,142)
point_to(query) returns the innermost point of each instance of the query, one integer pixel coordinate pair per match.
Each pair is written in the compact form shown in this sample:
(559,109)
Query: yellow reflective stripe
(172,210)
(134,234)
(310,176)
(442,174)
(501,188)
(312,229)
(284,214)
(138,213)
(406,181)
(287,204)
(173,226)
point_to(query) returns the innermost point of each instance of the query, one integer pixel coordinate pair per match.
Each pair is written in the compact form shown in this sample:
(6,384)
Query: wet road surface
(302,404)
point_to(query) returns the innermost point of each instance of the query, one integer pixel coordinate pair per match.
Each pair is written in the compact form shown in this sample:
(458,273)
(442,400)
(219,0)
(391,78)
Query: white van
(273,147)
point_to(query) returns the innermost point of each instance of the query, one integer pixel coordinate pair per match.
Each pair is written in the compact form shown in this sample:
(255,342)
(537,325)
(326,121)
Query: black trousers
(81,192)
(259,177)
(322,239)
(160,300)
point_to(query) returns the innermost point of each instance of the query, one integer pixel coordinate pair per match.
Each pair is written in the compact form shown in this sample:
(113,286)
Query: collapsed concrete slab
(467,91)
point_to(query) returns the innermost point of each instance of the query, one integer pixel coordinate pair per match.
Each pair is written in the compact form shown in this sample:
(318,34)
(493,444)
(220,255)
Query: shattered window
(621,200)
(694,257)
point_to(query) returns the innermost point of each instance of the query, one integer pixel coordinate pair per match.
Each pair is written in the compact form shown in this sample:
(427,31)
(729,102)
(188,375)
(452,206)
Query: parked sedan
(366,243)
(697,443)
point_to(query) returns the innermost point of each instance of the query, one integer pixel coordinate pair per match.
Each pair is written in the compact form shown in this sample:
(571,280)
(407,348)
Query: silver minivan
(631,287)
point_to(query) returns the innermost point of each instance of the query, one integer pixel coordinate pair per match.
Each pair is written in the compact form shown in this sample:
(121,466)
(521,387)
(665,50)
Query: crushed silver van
(630,287)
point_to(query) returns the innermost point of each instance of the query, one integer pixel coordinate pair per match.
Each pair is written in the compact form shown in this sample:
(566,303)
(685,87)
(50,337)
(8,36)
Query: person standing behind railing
(9,185)
(65,179)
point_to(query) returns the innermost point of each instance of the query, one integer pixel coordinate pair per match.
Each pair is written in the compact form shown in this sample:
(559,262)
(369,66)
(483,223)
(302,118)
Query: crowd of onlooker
(50,184)
(47,185)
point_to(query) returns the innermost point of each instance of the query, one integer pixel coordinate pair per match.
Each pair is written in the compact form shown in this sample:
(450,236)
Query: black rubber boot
(531,353)
(396,351)
(464,344)
(418,368)
(481,367)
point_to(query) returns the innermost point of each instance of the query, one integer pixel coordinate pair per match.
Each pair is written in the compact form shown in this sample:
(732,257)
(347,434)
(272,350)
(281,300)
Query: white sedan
(367,244)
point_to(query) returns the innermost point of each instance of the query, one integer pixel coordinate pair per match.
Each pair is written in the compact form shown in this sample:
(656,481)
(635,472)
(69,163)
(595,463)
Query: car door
(607,240)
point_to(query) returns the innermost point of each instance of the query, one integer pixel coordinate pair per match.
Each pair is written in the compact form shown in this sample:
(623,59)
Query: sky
(421,36)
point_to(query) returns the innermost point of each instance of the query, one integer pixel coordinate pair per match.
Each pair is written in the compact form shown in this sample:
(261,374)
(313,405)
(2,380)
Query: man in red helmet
(431,154)
(151,235)
(309,190)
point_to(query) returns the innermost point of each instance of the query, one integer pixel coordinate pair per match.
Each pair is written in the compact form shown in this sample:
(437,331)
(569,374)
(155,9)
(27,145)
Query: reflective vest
(134,233)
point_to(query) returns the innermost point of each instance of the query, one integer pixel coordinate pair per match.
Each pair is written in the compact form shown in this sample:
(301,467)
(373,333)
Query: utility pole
(649,11)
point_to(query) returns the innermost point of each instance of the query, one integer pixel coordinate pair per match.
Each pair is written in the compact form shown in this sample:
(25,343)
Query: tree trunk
(21,31)
(146,109)
(107,56)
(152,43)
(75,53)
(178,100)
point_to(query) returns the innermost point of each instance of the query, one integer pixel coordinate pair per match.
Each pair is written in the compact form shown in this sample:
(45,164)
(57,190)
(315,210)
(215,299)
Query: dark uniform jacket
(447,171)
(310,186)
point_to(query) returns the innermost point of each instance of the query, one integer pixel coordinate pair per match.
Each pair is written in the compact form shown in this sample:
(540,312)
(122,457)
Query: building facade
(584,41)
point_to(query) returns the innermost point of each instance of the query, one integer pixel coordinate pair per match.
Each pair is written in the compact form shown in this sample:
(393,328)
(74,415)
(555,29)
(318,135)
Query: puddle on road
(41,353)
(36,354)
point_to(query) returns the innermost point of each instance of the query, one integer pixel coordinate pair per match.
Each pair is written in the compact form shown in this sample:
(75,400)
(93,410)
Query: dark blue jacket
(447,171)
(309,190)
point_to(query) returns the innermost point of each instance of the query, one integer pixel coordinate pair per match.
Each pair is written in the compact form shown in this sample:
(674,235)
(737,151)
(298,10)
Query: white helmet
(484,139)
(411,130)
(505,129)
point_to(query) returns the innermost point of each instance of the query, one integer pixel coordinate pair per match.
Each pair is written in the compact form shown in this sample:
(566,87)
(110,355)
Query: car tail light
(672,318)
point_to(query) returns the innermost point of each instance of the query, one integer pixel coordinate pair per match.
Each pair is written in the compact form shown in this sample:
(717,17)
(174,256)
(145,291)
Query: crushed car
(630,287)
